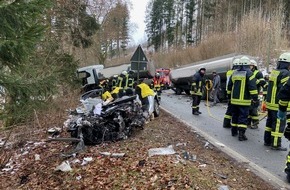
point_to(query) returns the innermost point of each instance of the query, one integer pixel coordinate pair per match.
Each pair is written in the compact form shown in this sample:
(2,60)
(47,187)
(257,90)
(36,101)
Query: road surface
(267,163)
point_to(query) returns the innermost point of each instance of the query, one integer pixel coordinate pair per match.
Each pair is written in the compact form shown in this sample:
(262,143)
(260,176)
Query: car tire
(156,111)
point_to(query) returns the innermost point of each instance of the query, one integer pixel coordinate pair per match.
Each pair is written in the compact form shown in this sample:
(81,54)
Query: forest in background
(42,42)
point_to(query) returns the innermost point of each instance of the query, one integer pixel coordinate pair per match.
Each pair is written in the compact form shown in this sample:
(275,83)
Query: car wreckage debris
(114,121)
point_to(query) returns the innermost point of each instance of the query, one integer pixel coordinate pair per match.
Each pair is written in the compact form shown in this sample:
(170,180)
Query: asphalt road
(267,163)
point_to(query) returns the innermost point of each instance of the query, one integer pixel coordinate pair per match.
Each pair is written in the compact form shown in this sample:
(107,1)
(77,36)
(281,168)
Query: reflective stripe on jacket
(196,85)
(242,87)
(276,80)
(125,81)
(229,74)
(284,97)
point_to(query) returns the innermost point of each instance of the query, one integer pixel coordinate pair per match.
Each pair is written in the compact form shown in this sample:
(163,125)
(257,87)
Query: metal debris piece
(223,187)
(64,167)
(221,175)
(161,151)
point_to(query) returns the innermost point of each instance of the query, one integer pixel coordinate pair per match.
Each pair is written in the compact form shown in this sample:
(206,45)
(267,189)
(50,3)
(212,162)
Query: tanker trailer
(181,77)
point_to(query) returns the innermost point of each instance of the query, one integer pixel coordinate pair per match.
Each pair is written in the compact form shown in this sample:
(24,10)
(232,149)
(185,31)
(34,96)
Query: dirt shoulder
(196,164)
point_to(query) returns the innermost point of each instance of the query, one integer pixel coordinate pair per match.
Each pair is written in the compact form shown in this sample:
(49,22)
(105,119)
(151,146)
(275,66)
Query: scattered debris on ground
(189,162)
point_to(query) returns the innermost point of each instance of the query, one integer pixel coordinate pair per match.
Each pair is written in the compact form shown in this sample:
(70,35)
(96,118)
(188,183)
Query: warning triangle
(139,55)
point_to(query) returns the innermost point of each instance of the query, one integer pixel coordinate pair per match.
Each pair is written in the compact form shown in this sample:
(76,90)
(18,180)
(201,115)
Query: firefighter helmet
(285,57)
(202,68)
(236,61)
(245,61)
(254,63)
(157,74)
(124,72)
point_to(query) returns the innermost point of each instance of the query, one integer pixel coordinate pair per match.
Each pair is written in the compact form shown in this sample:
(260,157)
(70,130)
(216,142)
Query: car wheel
(156,111)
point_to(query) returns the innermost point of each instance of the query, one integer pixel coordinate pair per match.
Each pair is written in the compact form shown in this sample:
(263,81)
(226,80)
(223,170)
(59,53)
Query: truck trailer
(181,77)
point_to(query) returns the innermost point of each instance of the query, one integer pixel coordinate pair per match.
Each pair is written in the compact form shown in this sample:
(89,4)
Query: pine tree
(31,68)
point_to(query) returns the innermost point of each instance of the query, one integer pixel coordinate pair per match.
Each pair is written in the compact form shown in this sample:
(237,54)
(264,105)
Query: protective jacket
(242,87)
(125,81)
(157,82)
(144,90)
(260,79)
(277,79)
(114,82)
(229,74)
(284,97)
(196,85)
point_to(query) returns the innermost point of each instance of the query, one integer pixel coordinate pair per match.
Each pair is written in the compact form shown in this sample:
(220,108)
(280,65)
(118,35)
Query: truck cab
(90,76)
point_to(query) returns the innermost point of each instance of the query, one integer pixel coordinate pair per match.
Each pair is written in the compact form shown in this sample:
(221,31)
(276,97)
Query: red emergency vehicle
(164,74)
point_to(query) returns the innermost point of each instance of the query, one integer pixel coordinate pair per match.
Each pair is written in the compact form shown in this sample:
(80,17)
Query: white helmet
(236,61)
(124,72)
(254,63)
(285,57)
(245,61)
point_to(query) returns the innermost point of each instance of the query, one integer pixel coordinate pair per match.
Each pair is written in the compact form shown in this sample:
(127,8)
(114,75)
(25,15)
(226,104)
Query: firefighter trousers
(239,118)
(228,116)
(195,103)
(274,129)
(253,114)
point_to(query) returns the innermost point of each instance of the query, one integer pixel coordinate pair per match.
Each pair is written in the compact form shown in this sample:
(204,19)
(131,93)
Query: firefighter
(228,115)
(157,85)
(114,81)
(253,119)
(241,90)
(275,126)
(125,82)
(265,87)
(196,90)
(284,99)
(143,90)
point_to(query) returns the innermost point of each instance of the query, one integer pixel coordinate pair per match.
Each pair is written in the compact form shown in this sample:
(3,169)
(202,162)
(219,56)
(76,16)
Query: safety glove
(287,133)
(281,115)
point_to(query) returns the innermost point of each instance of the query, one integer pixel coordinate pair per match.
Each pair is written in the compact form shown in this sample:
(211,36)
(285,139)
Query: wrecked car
(95,122)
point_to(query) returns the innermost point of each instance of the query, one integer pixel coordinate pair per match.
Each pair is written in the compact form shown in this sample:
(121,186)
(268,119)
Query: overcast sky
(137,15)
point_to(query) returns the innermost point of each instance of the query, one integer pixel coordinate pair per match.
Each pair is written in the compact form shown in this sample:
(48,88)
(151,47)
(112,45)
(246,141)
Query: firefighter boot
(198,110)
(227,123)
(278,146)
(234,131)
(242,136)
(194,112)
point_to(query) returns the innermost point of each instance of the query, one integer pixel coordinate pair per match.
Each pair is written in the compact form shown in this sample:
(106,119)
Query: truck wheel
(178,91)
(156,111)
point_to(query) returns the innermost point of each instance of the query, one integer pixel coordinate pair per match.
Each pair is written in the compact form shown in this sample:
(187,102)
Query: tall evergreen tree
(29,72)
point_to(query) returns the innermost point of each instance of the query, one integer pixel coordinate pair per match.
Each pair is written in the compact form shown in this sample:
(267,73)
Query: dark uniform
(196,90)
(125,83)
(241,89)
(228,114)
(284,100)
(253,119)
(275,126)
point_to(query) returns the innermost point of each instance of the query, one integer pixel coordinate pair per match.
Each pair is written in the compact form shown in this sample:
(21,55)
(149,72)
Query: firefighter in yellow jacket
(241,90)
(228,115)
(143,90)
(275,126)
